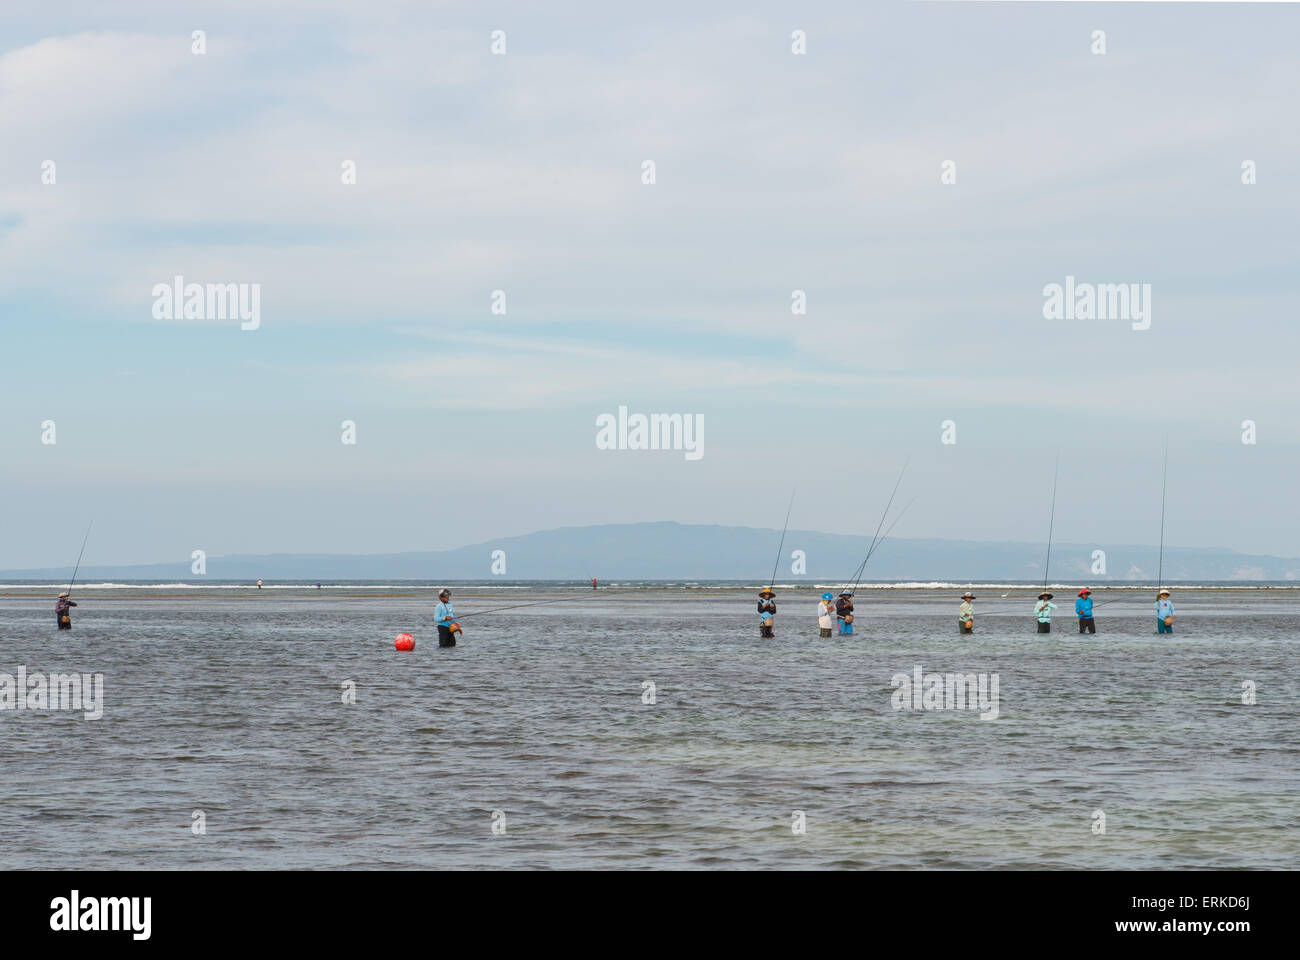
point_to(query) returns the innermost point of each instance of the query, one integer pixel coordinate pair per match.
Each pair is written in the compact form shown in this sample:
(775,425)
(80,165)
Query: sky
(523,172)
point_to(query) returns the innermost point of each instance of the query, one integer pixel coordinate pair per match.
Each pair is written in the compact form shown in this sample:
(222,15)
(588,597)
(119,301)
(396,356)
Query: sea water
(648,726)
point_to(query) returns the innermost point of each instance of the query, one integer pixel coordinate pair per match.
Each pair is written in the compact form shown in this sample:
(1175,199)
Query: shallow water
(232,705)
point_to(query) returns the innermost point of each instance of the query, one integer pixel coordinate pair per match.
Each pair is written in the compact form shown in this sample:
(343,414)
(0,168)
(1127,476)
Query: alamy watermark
(1098,301)
(58,691)
(946,691)
(655,431)
(179,300)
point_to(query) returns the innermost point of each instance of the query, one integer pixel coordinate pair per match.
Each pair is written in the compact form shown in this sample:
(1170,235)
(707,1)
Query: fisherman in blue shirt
(446,616)
(766,612)
(1083,610)
(1164,613)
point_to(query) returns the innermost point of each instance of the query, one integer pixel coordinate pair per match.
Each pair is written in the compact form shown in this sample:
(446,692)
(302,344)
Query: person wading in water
(1164,613)
(766,613)
(446,616)
(1083,610)
(61,608)
(966,616)
(844,613)
(1043,610)
(825,615)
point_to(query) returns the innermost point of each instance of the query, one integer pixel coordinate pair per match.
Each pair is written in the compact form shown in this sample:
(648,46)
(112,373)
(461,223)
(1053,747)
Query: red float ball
(404,641)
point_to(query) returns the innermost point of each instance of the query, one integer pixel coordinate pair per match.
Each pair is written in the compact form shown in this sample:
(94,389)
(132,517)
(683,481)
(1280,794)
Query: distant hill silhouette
(676,551)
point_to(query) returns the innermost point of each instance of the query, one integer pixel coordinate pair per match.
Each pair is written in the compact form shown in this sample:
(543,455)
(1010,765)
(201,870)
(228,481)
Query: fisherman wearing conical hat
(766,612)
(61,608)
(1164,613)
(1083,610)
(825,615)
(966,616)
(844,612)
(1043,610)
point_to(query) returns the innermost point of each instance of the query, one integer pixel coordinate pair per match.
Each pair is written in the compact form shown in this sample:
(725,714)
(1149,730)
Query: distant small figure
(318,586)
(1164,613)
(766,613)
(445,614)
(259,583)
(844,613)
(1083,610)
(1043,610)
(61,608)
(966,616)
(593,583)
(825,615)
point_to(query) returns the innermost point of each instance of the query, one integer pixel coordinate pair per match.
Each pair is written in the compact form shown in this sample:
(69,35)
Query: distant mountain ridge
(675,551)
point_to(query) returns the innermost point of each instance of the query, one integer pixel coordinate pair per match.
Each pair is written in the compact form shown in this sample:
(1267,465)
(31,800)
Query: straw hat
(766,592)
(1044,596)
(968,595)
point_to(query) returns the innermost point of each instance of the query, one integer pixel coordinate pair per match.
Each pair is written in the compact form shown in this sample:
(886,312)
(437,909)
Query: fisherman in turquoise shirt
(445,614)
(1083,610)
(1044,608)
(1164,613)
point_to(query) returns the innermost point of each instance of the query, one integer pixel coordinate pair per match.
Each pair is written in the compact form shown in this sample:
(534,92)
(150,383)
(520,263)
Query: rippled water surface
(232,705)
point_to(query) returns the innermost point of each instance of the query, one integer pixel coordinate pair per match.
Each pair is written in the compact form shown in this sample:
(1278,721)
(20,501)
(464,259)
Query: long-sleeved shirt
(766,608)
(1083,608)
(966,612)
(842,606)
(825,614)
(1044,610)
(444,613)
(1164,608)
(61,606)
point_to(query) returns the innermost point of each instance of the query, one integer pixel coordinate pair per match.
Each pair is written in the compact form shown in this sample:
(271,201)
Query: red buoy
(404,641)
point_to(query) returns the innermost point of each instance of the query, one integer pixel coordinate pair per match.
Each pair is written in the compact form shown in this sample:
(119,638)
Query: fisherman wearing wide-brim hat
(1164,612)
(766,612)
(844,612)
(1083,610)
(61,608)
(966,616)
(1043,610)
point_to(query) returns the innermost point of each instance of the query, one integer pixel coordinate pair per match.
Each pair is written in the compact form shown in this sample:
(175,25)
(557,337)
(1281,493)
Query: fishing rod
(1051,523)
(877,545)
(876,536)
(781,546)
(79,556)
(1164,490)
